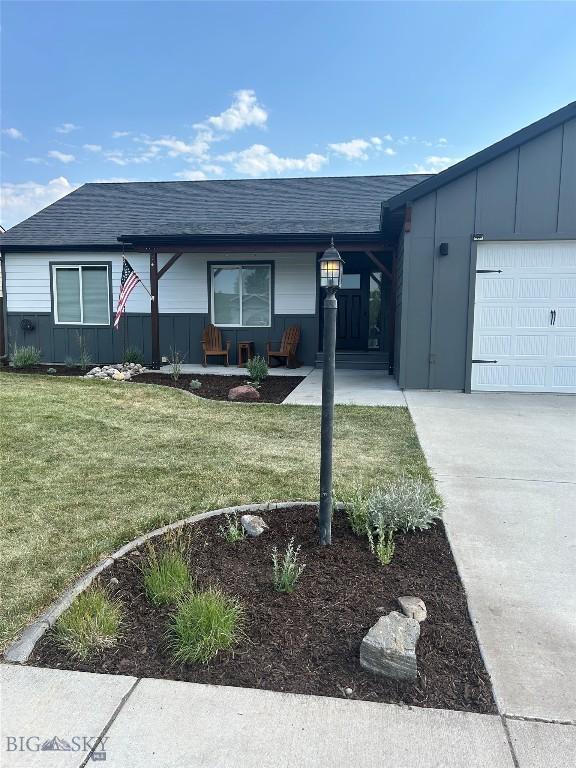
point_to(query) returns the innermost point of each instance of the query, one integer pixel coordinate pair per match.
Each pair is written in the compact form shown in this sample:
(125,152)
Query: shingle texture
(97,214)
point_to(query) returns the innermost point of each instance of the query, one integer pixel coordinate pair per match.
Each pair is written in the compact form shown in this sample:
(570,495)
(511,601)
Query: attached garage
(487,268)
(525,317)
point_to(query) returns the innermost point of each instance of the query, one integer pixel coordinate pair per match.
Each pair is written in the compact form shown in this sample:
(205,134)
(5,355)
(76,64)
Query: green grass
(91,624)
(85,466)
(166,577)
(205,623)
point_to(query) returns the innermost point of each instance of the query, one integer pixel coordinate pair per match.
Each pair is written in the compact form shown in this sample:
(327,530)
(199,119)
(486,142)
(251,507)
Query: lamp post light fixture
(331,279)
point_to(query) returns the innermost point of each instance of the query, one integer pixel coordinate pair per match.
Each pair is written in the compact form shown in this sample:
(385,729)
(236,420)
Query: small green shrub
(257,370)
(356,508)
(194,384)
(287,571)
(133,355)
(26,357)
(406,504)
(84,357)
(91,624)
(166,577)
(205,623)
(233,530)
(385,547)
(175,361)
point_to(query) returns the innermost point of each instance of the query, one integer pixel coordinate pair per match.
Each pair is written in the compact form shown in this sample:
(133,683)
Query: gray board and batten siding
(527,193)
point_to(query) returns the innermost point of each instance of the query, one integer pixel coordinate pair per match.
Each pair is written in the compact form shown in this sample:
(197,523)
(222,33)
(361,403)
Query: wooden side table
(245,352)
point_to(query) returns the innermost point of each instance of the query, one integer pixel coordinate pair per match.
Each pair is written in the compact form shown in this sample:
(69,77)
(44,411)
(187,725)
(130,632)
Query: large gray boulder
(389,648)
(254,525)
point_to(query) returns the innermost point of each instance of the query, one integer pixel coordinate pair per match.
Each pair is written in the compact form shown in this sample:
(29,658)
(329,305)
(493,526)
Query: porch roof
(96,215)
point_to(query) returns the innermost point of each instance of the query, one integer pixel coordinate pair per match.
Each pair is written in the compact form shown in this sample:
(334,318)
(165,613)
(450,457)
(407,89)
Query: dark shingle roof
(97,214)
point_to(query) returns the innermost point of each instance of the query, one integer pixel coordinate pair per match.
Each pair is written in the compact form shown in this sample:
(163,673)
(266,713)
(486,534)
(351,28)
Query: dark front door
(352,322)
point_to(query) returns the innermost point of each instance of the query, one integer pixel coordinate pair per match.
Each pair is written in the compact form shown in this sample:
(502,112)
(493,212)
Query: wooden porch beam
(392,315)
(168,264)
(251,248)
(154,311)
(372,256)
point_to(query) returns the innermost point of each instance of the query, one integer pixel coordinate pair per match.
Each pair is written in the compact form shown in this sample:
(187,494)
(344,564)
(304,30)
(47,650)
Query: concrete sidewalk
(506,467)
(164,724)
(351,387)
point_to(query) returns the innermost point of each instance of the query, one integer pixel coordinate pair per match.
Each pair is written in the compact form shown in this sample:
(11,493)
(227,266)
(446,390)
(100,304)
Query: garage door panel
(525,317)
(532,317)
(565,346)
(534,288)
(531,346)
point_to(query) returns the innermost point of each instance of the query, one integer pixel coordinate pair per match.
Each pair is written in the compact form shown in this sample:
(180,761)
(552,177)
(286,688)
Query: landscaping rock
(194,384)
(413,607)
(389,648)
(117,372)
(253,525)
(52,371)
(243,392)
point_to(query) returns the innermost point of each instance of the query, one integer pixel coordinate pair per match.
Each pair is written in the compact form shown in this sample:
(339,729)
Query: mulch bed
(60,370)
(274,389)
(307,642)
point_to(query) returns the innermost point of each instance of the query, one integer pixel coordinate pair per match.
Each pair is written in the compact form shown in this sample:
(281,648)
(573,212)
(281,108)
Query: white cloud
(198,147)
(435,164)
(355,149)
(259,160)
(93,147)
(359,149)
(19,201)
(120,134)
(387,137)
(211,168)
(13,133)
(191,175)
(244,111)
(61,156)
(442,140)
(67,128)
(36,160)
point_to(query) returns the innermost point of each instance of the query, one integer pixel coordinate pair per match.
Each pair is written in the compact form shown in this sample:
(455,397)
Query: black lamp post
(330,278)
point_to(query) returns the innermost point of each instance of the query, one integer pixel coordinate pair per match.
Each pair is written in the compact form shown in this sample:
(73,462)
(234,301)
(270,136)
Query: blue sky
(189,90)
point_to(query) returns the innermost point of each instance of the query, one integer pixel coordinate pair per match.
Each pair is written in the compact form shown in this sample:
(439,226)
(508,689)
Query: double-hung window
(81,294)
(241,295)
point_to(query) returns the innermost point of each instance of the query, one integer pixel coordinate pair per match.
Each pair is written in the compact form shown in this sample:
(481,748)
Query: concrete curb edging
(19,652)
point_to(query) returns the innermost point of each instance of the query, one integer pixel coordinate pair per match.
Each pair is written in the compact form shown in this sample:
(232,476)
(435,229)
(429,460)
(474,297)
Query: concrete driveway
(506,467)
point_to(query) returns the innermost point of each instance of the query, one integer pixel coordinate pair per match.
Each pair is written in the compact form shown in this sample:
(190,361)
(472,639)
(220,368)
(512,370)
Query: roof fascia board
(492,152)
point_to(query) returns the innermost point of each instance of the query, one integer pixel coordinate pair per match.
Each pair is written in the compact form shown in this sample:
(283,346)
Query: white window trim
(55,293)
(240,266)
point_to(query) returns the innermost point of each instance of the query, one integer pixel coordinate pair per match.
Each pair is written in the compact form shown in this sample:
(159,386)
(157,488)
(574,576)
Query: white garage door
(525,317)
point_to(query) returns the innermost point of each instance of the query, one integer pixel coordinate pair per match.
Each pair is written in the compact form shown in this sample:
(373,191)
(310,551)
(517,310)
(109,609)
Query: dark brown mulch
(308,642)
(274,389)
(60,370)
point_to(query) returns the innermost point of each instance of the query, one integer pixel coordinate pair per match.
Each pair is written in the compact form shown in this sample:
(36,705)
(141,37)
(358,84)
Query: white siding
(183,289)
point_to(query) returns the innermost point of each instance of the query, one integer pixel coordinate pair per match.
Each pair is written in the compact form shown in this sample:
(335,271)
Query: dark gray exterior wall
(528,193)
(182,332)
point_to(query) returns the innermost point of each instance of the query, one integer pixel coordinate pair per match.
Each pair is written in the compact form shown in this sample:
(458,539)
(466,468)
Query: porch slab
(234,370)
(351,387)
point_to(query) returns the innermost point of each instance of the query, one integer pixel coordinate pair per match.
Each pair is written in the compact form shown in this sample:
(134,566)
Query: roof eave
(484,156)
(319,238)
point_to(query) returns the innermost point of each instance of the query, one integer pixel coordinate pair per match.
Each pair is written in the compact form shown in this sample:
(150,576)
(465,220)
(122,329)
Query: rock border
(20,651)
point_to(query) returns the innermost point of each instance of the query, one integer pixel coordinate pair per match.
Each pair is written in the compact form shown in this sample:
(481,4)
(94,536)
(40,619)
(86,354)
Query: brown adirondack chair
(288,347)
(212,344)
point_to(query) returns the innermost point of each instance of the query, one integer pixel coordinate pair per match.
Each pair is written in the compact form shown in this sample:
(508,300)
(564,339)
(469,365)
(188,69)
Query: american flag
(128,282)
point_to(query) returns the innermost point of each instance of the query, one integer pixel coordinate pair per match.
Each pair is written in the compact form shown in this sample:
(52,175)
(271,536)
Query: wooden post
(392,316)
(154,311)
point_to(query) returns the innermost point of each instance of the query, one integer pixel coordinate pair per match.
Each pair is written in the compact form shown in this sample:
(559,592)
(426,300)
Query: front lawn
(87,465)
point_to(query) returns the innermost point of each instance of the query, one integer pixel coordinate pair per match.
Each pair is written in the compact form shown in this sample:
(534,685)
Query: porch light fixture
(331,268)
(330,278)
